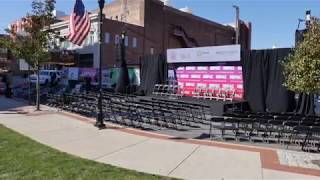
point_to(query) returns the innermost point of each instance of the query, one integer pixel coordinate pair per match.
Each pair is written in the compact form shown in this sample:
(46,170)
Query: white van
(46,76)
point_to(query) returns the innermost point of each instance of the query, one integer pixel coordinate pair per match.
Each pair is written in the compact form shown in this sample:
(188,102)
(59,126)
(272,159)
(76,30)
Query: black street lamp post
(99,122)
(123,79)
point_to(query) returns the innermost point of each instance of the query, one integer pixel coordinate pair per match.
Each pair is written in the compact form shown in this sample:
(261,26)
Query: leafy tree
(33,46)
(302,66)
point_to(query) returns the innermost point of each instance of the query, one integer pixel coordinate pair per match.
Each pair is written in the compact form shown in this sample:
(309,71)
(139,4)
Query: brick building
(88,53)
(5,62)
(166,27)
(151,27)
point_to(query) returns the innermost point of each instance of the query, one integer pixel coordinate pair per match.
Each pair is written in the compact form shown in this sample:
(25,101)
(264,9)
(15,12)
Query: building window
(85,60)
(116,39)
(126,41)
(107,38)
(134,42)
(65,44)
(87,41)
(91,39)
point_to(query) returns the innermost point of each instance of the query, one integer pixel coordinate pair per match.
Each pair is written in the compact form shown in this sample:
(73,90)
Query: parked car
(46,76)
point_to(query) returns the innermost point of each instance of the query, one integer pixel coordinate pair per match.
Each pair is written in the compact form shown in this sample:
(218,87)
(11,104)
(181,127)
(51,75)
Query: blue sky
(273,21)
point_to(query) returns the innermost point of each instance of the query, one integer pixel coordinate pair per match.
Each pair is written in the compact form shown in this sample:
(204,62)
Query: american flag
(79,23)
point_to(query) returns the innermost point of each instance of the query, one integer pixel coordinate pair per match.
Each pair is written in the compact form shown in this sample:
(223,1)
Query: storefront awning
(65,57)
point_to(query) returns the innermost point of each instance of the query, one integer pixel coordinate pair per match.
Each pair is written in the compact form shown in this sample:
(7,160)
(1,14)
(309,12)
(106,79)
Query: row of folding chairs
(54,100)
(156,112)
(81,104)
(275,116)
(128,110)
(197,111)
(184,113)
(167,90)
(143,113)
(306,135)
(214,93)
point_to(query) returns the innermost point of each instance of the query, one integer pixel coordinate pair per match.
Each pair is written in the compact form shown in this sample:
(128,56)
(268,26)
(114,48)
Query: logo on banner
(228,68)
(201,85)
(190,84)
(184,76)
(221,76)
(196,76)
(202,68)
(214,86)
(190,68)
(207,76)
(215,68)
(238,77)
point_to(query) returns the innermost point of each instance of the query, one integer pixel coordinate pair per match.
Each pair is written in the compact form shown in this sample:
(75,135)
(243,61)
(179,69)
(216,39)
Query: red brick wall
(109,50)
(160,19)
(157,33)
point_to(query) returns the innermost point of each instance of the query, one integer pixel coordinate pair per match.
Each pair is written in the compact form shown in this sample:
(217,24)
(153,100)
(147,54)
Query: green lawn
(23,158)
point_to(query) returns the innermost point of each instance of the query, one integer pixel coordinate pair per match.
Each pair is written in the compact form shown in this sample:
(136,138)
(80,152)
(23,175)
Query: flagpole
(99,121)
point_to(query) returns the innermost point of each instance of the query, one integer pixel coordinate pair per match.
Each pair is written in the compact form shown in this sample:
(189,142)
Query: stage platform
(216,108)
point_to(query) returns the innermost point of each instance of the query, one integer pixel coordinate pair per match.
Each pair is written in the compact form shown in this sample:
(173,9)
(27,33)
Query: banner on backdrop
(88,72)
(73,73)
(134,76)
(229,53)
(228,77)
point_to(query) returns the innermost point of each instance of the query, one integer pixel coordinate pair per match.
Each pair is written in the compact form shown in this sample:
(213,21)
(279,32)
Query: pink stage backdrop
(211,76)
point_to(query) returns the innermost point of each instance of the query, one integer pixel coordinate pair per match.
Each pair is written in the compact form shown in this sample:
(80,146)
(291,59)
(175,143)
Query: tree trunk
(38,89)
(29,88)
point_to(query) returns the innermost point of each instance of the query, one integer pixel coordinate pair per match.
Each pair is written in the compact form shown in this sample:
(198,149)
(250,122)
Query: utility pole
(125,11)
(308,19)
(237,24)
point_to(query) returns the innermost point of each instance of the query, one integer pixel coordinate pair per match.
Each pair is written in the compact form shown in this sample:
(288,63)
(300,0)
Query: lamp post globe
(101,3)
(123,35)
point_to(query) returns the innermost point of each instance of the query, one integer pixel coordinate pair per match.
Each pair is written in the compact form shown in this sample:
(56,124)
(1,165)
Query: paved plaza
(155,153)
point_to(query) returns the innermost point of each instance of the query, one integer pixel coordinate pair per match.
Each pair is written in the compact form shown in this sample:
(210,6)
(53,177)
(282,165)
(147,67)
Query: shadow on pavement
(11,105)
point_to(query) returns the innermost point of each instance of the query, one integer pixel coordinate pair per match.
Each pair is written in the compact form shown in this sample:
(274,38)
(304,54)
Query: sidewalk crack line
(129,146)
(195,149)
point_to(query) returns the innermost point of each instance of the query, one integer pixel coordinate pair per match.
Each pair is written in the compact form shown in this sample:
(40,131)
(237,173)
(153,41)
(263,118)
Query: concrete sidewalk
(144,151)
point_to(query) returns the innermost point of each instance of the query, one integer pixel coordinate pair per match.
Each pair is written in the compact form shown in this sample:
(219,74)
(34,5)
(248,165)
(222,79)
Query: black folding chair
(216,123)
(274,130)
(299,136)
(313,139)
(259,130)
(245,128)
(287,131)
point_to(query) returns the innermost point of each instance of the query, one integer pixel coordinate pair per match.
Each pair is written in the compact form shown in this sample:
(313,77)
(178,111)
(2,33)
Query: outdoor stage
(216,108)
